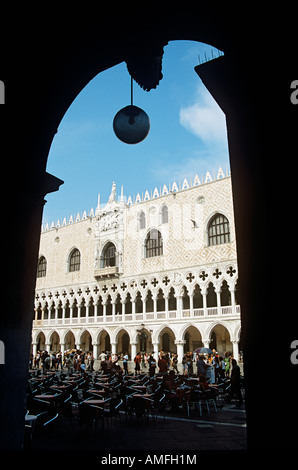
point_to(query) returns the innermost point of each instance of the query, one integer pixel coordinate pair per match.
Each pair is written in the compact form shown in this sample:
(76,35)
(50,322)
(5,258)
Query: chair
(193,398)
(89,415)
(207,397)
(160,403)
(113,410)
(46,421)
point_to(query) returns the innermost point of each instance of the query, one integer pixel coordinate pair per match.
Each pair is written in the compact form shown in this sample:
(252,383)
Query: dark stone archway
(47,65)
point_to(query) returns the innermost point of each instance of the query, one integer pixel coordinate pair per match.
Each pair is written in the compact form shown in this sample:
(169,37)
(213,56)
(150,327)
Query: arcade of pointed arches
(178,338)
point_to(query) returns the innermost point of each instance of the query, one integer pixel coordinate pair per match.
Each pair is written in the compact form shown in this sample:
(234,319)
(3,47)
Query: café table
(93,402)
(59,387)
(97,392)
(47,397)
(140,388)
(141,395)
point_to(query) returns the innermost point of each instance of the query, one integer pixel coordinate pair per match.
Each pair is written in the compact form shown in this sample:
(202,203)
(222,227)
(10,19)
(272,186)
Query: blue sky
(187,135)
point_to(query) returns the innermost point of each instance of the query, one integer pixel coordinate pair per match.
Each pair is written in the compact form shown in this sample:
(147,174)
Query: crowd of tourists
(192,363)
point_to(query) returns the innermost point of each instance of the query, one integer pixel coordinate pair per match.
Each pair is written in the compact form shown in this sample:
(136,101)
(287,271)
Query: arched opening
(55,342)
(109,307)
(167,341)
(41,342)
(139,303)
(118,305)
(225,294)
(197,297)
(220,340)
(211,296)
(160,303)
(69,341)
(123,345)
(172,299)
(104,341)
(193,339)
(149,302)
(86,341)
(128,304)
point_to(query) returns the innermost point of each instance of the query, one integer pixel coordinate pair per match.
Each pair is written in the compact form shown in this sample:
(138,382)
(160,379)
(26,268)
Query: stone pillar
(167,306)
(218,301)
(191,304)
(123,310)
(95,351)
(235,349)
(155,350)
(34,349)
(204,295)
(233,303)
(179,306)
(180,349)
(133,310)
(133,350)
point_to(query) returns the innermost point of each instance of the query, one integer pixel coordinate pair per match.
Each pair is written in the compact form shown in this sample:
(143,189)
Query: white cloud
(205,119)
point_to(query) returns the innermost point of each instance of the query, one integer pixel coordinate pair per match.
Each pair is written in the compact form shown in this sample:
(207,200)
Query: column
(191,304)
(114,347)
(95,311)
(133,350)
(95,351)
(167,306)
(179,306)
(35,315)
(218,301)
(63,312)
(104,312)
(133,310)
(236,349)
(204,295)
(180,349)
(123,311)
(34,349)
(155,307)
(233,302)
(113,311)
(156,351)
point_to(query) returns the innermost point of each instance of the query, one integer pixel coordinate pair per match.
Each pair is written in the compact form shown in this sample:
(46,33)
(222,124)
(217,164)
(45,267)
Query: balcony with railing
(92,318)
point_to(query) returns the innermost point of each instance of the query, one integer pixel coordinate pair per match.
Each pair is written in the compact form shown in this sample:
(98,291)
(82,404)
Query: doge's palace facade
(153,272)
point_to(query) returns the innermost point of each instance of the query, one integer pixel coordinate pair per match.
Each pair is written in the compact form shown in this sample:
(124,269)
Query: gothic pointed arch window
(141,220)
(74,260)
(42,267)
(109,255)
(218,230)
(153,244)
(164,214)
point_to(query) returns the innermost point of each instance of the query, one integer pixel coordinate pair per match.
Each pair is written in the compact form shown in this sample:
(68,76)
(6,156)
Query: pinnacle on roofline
(165,190)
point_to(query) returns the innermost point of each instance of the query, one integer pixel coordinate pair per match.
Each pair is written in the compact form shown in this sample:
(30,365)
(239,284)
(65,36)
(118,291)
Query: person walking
(235,383)
(152,365)
(125,363)
(175,363)
(163,365)
(201,366)
(137,361)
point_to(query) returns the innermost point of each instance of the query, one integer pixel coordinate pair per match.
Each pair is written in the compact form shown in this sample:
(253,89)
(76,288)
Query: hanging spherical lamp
(131,124)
